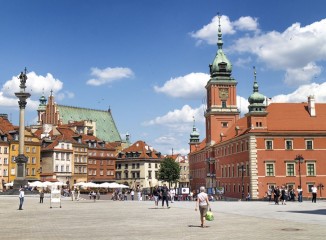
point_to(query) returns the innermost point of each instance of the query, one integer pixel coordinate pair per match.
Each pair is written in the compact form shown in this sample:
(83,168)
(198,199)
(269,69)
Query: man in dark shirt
(165,195)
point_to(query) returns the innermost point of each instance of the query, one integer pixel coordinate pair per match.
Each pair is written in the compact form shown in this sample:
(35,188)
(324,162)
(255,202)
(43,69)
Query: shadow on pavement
(317,211)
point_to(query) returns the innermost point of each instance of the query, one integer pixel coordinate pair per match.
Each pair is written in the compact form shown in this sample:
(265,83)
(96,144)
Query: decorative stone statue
(23,78)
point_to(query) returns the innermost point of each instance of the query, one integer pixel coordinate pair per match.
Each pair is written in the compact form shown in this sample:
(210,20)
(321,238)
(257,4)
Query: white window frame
(267,163)
(286,146)
(266,146)
(312,144)
(313,163)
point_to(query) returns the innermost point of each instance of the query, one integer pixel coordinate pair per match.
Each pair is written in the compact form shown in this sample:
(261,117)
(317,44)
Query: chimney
(311,106)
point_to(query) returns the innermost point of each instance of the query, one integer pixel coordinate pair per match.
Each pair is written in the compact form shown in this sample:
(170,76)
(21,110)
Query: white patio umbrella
(37,184)
(123,186)
(104,185)
(79,184)
(59,184)
(114,185)
(10,184)
(91,185)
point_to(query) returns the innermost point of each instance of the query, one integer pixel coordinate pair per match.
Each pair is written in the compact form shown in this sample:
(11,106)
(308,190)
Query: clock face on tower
(224,93)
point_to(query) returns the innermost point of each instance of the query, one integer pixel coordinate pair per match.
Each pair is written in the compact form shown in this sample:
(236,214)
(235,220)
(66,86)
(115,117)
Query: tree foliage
(169,171)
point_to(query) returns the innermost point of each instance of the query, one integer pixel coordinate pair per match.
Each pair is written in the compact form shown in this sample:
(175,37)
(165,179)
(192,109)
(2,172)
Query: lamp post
(299,159)
(242,169)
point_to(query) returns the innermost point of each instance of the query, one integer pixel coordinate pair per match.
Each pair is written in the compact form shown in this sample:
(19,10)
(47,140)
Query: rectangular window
(290,169)
(269,144)
(270,169)
(33,150)
(309,145)
(33,160)
(156,174)
(33,171)
(62,168)
(311,169)
(223,104)
(67,168)
(101,172)
(57,168)
(149,165)
(149,174)
(288,144)
(27,149)
(309,186)
(137,166)
(5,161)
(224,124)
(27,171)
(5,150)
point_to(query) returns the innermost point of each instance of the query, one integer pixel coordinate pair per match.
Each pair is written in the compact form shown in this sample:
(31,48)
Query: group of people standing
(283,194)
(164,194)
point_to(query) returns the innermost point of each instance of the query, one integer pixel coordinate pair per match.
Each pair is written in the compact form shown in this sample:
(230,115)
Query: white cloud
(36,85)
(108,75)
(298,76)
(242,104)
(294,49)
(301,94)
(208,33)
(246,24)
(65,94)
(188,86)
(178,117)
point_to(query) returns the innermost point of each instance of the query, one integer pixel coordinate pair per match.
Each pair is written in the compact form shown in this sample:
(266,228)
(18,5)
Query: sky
(148,60)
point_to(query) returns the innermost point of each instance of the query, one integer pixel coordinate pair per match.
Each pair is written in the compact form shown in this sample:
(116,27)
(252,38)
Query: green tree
(169,171)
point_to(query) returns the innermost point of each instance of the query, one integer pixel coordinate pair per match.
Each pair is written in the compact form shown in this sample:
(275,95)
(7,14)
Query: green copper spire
(221,65)
(256,99)
(194,136)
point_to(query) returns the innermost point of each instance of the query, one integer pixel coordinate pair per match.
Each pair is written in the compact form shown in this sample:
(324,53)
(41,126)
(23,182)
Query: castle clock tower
(222,111)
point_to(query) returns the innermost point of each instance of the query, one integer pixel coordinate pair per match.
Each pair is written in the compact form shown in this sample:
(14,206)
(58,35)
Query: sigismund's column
(21,159)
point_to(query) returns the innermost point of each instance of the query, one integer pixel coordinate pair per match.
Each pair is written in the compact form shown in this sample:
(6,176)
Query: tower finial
(219,34)
(255,73)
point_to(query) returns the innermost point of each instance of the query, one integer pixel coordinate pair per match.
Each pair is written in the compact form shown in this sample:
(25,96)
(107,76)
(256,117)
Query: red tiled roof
(142,148)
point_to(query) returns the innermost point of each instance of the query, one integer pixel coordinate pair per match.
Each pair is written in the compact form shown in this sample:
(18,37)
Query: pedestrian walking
(21,198)
(203,204)
(165,195)
(132,194)
(78,194)
(155,195)
(299,191)
(139,193)
(283,195)
(172,194)
(314,193)
(41,196)
(98,194)
(72,194)
(276,195)
(269,194)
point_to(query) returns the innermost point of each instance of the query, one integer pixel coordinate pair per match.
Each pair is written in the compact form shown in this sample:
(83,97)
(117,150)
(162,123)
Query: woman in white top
(203,203)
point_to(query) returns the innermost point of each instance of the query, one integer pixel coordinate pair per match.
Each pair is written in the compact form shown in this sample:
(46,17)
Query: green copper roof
(105,127)
(194,136)
(221,64)
(42,105)
(256,99)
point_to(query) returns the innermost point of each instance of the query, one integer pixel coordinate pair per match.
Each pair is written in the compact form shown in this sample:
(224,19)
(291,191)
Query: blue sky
(148,60)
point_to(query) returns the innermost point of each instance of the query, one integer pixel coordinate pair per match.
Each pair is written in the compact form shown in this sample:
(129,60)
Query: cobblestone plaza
(106,219)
